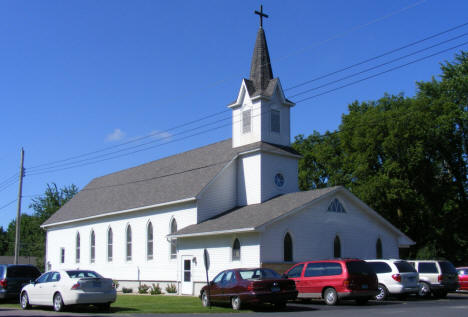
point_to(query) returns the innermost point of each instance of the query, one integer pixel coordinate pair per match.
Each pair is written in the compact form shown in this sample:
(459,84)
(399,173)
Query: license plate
(96,284)
(275,289)
(364,286)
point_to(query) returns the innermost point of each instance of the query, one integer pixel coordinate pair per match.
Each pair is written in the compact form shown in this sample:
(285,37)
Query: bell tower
(261,112)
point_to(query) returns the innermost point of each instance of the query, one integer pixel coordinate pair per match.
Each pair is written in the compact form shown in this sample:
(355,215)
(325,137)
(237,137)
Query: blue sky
(80,76)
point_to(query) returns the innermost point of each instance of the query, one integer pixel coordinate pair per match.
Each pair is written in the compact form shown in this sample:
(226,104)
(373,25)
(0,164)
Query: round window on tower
(279,180)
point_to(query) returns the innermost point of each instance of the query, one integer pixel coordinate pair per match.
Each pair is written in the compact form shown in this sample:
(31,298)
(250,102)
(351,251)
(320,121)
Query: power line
(380,65)
(9,179)
(209,116)
(88,162)
(381,73)
(4,206)
(12,182)
(377,57)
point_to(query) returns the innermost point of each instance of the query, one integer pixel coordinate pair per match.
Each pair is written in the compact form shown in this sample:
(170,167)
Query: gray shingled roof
(260,68)
(176,177)
(254,216)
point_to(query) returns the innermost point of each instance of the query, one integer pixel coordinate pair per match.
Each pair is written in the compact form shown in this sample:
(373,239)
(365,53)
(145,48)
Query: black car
(13,277)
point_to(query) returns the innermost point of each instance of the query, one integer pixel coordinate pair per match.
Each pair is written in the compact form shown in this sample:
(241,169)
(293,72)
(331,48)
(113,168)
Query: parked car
(396,277)
(13,277)
(436,277)
(68,287)
(333,280)
(242,286)
(463,278)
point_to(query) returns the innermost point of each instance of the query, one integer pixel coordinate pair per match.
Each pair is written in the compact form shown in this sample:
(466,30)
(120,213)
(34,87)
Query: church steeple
(260,68)
(261,112)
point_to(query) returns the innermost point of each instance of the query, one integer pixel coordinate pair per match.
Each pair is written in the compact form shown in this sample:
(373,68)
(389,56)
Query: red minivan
(333,280)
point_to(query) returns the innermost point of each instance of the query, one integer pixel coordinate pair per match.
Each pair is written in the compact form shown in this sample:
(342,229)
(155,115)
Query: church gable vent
(336,206)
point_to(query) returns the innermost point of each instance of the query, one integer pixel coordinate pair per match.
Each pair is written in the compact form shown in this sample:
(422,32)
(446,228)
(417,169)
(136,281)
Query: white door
(187,281)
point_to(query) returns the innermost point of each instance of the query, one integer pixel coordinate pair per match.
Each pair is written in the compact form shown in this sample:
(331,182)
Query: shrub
(155,289)
(116,284)
(143,289)
(171,288)
(127,290)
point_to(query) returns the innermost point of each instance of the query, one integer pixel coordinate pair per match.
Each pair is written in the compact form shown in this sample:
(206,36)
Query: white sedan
(68,287)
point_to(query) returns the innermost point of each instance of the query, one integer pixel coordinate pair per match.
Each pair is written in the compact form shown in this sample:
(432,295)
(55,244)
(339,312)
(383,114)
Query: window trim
(128,243)
(92,247)
(77,247)
(149,248)
(291,246)
(173,242)
(337,247)
(110,255)
(244,117)
(235,257)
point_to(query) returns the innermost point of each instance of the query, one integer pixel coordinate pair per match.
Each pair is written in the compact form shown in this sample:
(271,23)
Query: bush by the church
(143,289)
(127,290)
(155,289)
(171,288)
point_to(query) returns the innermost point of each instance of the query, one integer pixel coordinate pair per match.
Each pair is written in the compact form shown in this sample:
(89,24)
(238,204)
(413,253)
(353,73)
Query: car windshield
(447,268)
(82,274)
(258,274)
(404,267)
(359,267)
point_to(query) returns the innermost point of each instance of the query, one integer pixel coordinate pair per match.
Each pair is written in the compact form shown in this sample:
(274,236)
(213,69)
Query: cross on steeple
(261,15)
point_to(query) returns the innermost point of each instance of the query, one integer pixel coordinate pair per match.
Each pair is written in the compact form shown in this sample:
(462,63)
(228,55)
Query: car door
(295,274)
(35,291)
(214,288)
(230,286)
(428,272)
(50,287)
(312,279)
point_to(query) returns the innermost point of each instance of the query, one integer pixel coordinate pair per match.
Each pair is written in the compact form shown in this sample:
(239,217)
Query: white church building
(238,199)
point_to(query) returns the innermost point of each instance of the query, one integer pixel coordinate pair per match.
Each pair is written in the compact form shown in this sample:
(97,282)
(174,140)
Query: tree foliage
(32,236)
(406,158)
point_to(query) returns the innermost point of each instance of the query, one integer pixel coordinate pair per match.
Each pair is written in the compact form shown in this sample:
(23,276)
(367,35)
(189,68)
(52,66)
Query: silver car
(396,277)
(436,277)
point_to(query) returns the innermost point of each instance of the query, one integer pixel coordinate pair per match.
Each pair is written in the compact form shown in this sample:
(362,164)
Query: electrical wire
(11,202)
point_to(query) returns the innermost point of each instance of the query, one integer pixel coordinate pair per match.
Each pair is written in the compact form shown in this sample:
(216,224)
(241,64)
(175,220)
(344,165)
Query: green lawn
(135,304)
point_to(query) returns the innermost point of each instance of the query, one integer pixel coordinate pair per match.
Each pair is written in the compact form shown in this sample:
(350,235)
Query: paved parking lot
(454,305)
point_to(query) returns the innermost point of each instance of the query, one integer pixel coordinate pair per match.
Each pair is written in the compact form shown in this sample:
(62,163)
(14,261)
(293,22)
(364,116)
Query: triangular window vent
(336,206)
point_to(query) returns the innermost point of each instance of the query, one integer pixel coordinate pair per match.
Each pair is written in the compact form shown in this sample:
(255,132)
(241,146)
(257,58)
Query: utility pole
(18,212)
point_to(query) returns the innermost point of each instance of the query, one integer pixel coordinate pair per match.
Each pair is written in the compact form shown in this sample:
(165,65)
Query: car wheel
(205,300)
(424,289)
(330,296)
(383,293)
(236,303)
(58,302)
(25,301)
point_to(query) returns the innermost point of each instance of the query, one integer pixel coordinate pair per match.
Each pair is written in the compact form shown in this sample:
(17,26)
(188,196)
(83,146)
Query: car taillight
(76,285)
(346,283)
(3,283)
(439,278)
(250,287)
(397,277)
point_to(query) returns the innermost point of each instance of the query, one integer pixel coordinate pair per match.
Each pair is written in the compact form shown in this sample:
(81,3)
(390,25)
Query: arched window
(236,254)
(149,241)
(77,249)
(287,248)
(378,249)
(93,247)
(109,245)
(337,247)
(173,241)
(129,243)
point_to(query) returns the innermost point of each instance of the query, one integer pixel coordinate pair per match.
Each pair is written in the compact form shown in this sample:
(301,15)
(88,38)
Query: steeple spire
(260,68)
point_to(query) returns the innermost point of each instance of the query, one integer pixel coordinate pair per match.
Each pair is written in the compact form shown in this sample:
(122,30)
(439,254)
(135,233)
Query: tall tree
(32,235)
(406,158)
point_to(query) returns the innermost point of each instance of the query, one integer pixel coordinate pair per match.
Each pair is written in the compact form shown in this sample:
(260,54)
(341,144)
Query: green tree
(406,158)
(32,236)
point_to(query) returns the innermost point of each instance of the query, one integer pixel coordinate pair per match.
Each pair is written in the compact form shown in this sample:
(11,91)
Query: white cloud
(161,135)
(115,136)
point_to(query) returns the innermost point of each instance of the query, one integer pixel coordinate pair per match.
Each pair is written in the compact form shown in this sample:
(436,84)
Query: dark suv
(14,277)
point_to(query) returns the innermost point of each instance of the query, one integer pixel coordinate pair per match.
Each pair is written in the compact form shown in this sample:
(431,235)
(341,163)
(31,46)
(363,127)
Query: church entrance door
(187,282)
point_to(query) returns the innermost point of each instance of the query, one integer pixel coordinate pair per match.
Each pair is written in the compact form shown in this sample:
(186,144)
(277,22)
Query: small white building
(238,199)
